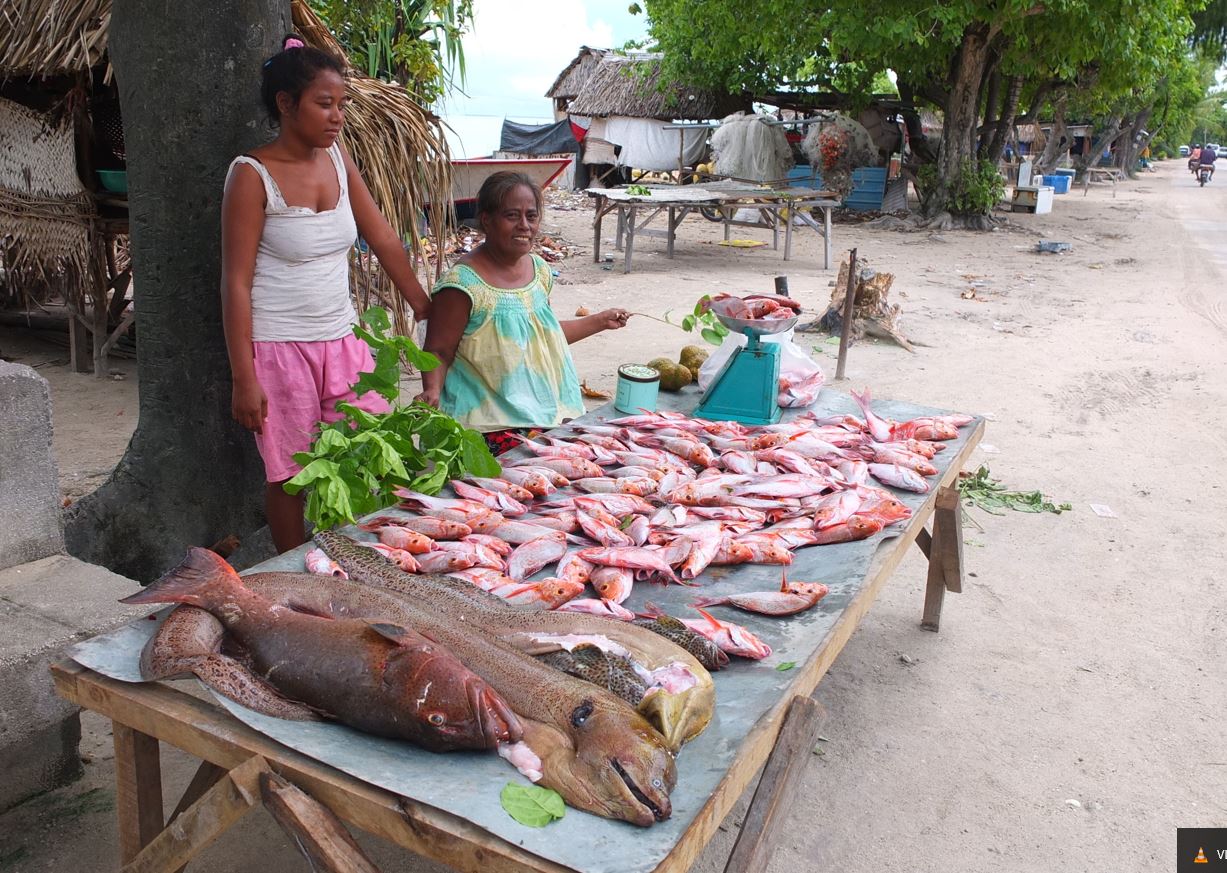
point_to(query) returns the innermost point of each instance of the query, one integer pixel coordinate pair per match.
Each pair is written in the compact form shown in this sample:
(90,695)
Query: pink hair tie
(292,43)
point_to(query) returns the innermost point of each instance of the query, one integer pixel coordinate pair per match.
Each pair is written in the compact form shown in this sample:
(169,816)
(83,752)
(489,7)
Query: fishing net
(836,148)
(746,147)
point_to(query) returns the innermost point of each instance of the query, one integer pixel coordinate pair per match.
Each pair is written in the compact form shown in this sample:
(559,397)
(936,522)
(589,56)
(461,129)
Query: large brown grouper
(380,677)
(680,705)
(580,740)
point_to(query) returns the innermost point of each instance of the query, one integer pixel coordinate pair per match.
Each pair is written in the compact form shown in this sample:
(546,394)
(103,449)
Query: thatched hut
(628,107)
(62,233)
(573,78)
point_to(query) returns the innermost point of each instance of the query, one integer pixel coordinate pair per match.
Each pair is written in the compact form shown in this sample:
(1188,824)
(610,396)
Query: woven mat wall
(45,211)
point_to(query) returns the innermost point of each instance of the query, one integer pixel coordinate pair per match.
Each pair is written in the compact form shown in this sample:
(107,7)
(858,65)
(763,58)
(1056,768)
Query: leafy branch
(710,327)
(355,464)
(979,489)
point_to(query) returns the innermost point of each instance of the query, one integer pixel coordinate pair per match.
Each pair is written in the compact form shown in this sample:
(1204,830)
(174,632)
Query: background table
(636,211)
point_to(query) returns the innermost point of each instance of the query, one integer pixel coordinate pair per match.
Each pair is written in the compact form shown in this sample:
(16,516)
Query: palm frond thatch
(634,87)
(573,77)
(44,38)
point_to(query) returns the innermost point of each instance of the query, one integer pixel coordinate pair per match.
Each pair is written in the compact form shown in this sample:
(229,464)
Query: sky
(513,54)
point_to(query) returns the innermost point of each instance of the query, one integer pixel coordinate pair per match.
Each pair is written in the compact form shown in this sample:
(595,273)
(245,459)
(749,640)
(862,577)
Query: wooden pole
(845,336)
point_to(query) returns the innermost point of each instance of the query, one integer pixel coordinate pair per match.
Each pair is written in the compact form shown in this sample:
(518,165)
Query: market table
(755,702)
(676,202)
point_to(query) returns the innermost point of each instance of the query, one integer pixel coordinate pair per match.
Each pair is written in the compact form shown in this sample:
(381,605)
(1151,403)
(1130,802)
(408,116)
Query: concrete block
(45,607)
(29,479)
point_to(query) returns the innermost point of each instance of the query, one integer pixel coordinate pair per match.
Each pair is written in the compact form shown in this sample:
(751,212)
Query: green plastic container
(638,388)
(115,181)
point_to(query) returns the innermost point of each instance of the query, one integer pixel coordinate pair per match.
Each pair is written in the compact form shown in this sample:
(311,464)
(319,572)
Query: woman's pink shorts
(303,383)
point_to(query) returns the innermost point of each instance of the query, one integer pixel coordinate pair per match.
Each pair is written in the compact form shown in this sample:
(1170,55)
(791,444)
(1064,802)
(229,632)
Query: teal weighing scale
(747,387)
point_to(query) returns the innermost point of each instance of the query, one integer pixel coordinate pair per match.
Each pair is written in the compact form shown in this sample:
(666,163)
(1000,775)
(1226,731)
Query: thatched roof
(633,87)
(576,74)
(44,38)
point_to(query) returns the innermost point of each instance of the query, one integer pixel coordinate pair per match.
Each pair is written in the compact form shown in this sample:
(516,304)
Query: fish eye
(656,783)
(580,714)
(436,718)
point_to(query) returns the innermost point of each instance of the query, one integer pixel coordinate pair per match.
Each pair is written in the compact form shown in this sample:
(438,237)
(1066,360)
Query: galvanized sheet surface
(468,784)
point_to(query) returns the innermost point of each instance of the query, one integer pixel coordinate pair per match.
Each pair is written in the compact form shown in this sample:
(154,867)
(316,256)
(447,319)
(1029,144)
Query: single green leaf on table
(785,666)
(532,805)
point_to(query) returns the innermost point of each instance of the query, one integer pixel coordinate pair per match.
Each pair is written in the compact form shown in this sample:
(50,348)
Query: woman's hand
(249,405)
(429,396)
(611,319)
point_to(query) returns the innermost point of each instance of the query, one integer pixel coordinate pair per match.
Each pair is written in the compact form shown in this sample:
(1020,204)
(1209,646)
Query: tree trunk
(1133,142)
(1110,135)
(1057,142)
(962,117)
(188,76)
(1005,121)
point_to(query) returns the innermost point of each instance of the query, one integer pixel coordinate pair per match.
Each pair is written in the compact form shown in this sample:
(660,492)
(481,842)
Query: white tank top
(300,289)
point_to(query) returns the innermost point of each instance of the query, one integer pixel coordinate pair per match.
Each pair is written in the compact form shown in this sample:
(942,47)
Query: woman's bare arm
(449,314)
(383,240)
(242,226)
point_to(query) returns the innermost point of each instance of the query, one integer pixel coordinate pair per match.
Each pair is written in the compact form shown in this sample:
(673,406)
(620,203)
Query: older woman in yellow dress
(505,362)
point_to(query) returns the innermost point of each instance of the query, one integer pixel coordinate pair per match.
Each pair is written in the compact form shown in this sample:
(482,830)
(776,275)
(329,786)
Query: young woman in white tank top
(292,210)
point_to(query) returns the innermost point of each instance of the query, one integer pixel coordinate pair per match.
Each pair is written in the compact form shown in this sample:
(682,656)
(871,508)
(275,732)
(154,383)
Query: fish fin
(784,581)
(715,622)
(651,610)
(708,601)
(395,633)
(199,569)
(305,609)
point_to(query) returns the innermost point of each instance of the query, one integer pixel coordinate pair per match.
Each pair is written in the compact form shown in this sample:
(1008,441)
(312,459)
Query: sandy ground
(1067,717)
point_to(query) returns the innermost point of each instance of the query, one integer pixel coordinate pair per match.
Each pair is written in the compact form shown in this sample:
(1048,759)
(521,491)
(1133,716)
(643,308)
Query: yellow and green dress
(513,367)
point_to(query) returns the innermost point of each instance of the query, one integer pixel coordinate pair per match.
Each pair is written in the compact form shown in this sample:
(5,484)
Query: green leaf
(377,318)
(688,322)
(532,805)
(320,468)
(476,456)
(786,666)
(711,335)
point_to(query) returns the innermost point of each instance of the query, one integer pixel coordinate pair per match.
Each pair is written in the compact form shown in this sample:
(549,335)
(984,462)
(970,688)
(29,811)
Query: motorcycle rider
(1194,157)
(1206,159)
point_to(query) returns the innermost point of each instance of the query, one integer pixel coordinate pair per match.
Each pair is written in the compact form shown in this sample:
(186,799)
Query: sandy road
(1083,663)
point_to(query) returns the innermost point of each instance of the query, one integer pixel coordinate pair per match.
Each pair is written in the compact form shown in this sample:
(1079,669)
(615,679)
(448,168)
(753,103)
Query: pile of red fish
(659,497)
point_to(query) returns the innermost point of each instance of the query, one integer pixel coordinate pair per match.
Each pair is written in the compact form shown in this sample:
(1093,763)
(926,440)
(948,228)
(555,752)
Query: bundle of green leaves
(355,465)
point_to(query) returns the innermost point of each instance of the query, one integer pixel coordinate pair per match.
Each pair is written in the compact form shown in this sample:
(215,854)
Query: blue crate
(1059,184)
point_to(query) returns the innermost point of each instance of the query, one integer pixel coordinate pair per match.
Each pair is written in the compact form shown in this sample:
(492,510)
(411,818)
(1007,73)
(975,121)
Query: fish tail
(708,601)
(193,582)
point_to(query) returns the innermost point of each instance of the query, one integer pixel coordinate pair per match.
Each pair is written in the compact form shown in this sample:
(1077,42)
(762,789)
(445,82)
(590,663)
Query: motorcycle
(1204,173)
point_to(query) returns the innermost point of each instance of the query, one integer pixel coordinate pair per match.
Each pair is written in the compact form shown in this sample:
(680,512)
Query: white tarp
(651,144)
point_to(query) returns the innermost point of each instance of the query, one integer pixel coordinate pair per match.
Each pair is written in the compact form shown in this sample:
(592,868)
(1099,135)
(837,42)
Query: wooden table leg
(138,789)
(596,229)
(630,239)
(826,237)
(669,238)
(788,238)
(776,787)
(945,551)
(774,215)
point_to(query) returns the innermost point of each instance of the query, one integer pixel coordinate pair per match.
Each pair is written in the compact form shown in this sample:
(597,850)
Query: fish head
(555,592)
(619,764)
(455,707)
